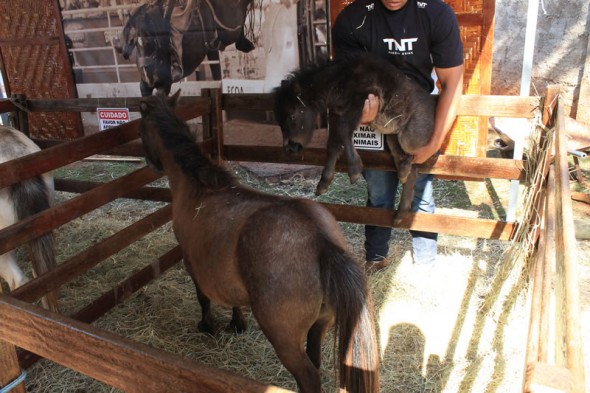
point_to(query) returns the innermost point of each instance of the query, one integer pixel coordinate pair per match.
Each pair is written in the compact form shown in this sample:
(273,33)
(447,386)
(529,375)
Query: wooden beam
(72,151)
(566,260)
(111,359)
(472,167)
(498,106)
(90,257)
(60,155)
(547,267)
(581,197)
(47,220)
(125,289)
(439,223)
(158,194)
(6,106)
(199,104)
(547,378)
(482,228)
(115,296)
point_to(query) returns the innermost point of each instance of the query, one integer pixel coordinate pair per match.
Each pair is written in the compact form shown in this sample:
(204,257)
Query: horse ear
(143,107)
(128,36)
(173,100)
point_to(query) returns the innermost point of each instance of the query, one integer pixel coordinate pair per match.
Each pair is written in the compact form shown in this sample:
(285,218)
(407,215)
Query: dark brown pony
(214,25)
(406,115)
(283,257)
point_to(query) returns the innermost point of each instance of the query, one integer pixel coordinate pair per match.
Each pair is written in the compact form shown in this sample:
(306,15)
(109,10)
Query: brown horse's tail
(346,288)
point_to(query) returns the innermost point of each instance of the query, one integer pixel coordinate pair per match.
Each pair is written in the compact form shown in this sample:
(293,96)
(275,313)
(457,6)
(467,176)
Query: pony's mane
(187,154)
(309,70)
(147,16)
(286,91)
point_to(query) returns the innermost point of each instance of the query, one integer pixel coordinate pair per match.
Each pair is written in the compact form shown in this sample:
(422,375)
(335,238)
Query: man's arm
(451,80)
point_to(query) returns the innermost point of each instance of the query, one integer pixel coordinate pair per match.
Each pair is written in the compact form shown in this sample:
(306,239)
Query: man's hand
(370,109)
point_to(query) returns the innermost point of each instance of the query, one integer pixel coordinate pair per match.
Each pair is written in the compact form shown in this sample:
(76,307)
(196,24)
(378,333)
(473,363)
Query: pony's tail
(31,197)
(346,288)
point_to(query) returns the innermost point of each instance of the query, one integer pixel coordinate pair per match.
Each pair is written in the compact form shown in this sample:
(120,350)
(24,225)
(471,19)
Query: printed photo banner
(276,37)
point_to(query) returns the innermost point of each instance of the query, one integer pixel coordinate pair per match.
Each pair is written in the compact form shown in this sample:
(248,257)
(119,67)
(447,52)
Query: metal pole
(525,85)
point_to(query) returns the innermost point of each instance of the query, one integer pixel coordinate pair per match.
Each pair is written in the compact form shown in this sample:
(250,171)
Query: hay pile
(441,329)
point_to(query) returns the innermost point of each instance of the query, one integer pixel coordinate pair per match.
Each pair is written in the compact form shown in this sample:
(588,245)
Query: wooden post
(213,123)
(21,116)
(10,369)
(566,259)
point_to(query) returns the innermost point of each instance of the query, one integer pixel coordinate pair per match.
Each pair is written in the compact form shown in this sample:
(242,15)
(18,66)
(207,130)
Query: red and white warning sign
(111,117)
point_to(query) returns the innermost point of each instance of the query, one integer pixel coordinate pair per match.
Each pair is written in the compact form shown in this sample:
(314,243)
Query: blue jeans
(382,188)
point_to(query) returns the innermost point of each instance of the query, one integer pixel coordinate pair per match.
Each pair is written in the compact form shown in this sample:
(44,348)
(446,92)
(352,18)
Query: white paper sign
(366,138)
(111,117)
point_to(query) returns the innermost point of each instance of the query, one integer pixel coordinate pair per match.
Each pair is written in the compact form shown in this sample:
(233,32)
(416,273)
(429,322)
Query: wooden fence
(72,342)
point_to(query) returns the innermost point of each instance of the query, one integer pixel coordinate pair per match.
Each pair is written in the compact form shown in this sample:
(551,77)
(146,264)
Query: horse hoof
(204,327)
(320,190)
(237,328)
(354,178)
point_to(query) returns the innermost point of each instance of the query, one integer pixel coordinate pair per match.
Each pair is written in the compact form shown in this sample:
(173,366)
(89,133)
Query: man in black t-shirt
(421,38)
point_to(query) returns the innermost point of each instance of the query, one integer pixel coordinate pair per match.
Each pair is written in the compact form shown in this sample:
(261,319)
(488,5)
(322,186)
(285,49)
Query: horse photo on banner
(128,48)
(126,41)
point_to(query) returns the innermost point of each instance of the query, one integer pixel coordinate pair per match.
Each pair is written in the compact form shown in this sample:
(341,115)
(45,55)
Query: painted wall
(560,55)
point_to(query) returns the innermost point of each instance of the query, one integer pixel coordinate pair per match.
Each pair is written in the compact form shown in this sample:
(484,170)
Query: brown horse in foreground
(283,257)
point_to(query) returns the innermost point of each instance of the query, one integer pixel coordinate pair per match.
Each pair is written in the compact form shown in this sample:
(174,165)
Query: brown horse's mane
(188,155)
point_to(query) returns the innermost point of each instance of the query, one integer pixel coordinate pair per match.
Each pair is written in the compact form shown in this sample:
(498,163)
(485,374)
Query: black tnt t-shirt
(421,35)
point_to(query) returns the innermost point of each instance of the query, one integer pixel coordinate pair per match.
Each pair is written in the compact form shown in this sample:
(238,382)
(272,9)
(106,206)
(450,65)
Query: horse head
(295,117)
(147,31)
(150,107)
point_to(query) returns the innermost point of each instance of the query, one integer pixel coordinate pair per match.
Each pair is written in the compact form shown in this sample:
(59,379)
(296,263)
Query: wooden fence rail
(555,358)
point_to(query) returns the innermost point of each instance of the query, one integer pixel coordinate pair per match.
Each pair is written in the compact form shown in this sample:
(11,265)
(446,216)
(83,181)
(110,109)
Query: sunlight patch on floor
(430,301)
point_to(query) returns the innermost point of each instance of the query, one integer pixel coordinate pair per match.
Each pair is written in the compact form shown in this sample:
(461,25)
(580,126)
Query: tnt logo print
(403,46)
